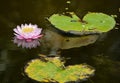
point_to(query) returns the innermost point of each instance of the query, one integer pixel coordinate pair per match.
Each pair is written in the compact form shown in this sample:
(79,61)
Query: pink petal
(16,31)
(19,29)
(38,36)
(18,36)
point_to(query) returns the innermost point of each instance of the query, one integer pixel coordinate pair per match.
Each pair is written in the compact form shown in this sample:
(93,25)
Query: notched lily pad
(95,22)
(53,70)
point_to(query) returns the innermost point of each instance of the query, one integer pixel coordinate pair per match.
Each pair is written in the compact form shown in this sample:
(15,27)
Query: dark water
(104,55)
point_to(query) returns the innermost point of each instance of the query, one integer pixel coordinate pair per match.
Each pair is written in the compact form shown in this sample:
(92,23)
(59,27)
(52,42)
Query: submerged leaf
(53,70)
(91,22)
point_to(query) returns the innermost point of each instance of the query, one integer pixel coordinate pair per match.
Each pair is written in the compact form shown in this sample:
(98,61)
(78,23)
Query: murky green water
(104,55)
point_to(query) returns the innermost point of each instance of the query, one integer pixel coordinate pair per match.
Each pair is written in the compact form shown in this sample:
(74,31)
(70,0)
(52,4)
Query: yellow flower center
(27,30)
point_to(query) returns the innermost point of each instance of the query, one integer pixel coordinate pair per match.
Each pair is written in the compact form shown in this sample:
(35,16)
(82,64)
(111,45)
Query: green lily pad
(53,70)
(41,71)
(66,23)
(99,22)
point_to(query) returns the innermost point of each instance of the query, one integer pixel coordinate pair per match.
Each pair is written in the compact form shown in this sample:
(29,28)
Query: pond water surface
(103,55)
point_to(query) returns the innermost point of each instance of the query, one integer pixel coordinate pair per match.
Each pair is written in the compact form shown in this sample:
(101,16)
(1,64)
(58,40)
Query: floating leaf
(53,70)
(99,22)
(74,73)
(42,71)
(66,23)
(91,22)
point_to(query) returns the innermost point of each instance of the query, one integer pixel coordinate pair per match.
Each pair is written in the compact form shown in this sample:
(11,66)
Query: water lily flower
(27,35)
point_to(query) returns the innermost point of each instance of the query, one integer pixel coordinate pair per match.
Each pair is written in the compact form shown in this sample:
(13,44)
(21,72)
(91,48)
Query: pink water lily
(27,35)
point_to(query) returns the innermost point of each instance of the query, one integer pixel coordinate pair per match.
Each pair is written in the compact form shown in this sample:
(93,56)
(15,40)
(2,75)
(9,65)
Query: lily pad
(99,22)
(53,70)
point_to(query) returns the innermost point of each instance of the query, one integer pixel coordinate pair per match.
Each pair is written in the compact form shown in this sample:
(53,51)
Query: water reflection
(104,55)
